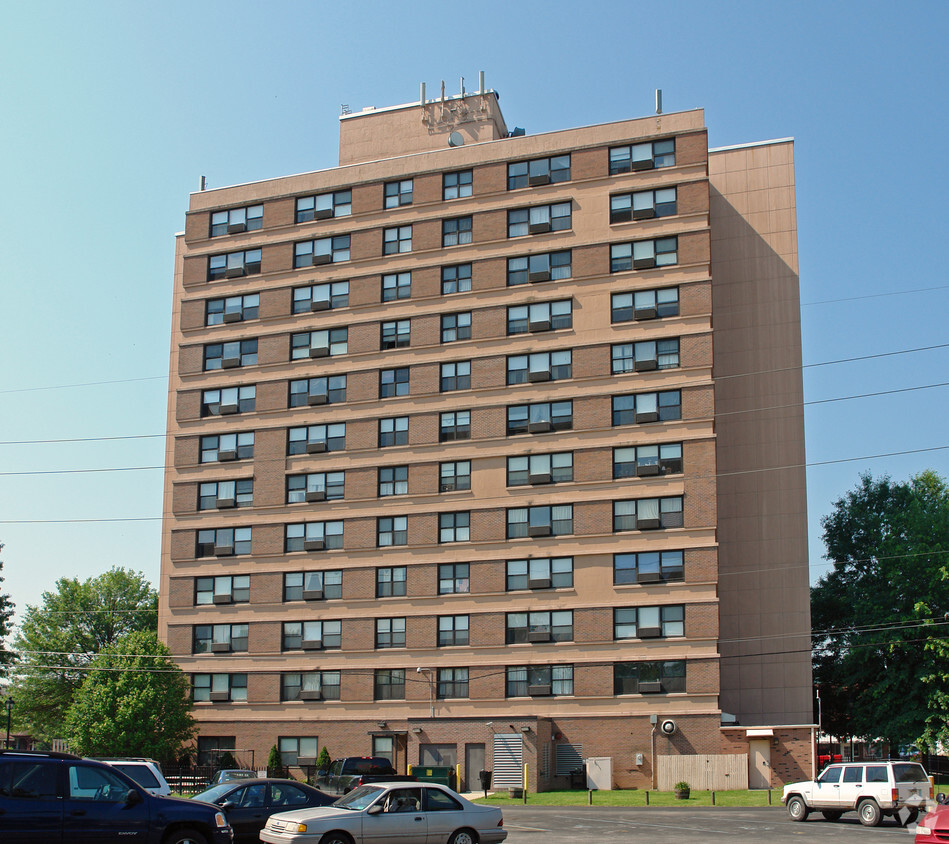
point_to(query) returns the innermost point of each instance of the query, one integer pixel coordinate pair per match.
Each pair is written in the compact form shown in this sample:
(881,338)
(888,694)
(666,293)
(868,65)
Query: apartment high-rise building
(487,449)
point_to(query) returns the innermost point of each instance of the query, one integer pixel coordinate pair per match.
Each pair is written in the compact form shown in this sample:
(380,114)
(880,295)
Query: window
(316,391)
(224,447)
(393,480)
(454,527)
(643,156)
(313,536)
(647,513)
(540,366)
(648,622)
(223,542)
(452,630)
(645,304)
(232,309)
(456,327)
(544,626)
(452,682)
(647,460)
(316,486)
(230,355)
(539,680)
(457,231)
(454,425)
(228,400)
(319,344)
(390,581)
(632,678)
(219,687)
(540,418)
(539,219)
(548,266)
(392,530)
(453,578)
(539,171)
(210,748)
(456,185)
(222,495)
(648,567)
(393,382)
(456,376)
(647,407)
(454,476)
(539,521)
(645,356)
(312,585)
(246,219)
(323,250)
(396,334)
(219,638)
(389,684)
(291,751)
(644,254)
(394,431)
(234,264)
(311,635)
(396,240)
(324,206)
(398,193)
(224,589)
(396,286)
(315,439)
(642,205)
(541,316)
(456,279)
(540,573)
(540,469)
(390,632)
(321,297)
(311,685)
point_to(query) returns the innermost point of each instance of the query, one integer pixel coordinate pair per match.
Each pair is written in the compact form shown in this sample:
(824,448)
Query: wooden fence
(703,772)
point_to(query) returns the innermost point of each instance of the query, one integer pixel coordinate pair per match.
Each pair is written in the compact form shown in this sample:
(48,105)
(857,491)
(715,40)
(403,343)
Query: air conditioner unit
(646,469)
(648,577)
(223,550)
(313,544)
(226,503)
(540,275)
(650,687)
(647,524)
(539,583)
(318,260)
(227,409)
(536,377)
(539,228)
(230,362)
(316,495)
(644,213)
(539,427)
(538,636)
(538,691)
(226,454)
(540,325)
(222,599)
(233,272)
(220,647)
(323,214)
(220,696)
(539,478)
(233,316)
(319,352)
(320,305)
(236,228)
(538,179)
(645,313)
(539,530)
(643,164)
(311,695)
(623,216)
(645,365)
(644,263)
(314,399)
(312,594)
(652,416)
(312,644)
(316,447)
(649,632)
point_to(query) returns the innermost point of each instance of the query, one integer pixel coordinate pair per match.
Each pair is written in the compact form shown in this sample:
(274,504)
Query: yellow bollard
(458,778)
(526,767)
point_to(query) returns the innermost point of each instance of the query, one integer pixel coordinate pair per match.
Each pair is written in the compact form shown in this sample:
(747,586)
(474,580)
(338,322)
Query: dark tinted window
(287,795)
(140,773)
(438,801)
(909,772)
(876,773)
(28,780)
(853,773)
(830,775)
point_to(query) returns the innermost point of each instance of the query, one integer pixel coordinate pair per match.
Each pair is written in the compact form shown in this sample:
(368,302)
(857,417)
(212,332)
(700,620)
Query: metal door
(759,769)
(474,765)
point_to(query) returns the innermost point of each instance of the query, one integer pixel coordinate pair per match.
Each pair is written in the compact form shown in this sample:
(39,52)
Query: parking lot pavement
(582,824)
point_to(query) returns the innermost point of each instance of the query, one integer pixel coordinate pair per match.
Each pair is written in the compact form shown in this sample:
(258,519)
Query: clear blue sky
(110,112)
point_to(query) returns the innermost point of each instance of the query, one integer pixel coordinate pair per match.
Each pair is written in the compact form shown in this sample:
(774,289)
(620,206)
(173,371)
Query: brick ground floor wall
(632,743)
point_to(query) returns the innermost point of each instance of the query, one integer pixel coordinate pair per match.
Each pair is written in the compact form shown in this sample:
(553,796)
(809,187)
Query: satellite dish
(456,139)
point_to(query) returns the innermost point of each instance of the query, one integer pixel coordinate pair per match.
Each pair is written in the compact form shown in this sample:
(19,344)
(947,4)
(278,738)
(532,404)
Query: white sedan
(390,813)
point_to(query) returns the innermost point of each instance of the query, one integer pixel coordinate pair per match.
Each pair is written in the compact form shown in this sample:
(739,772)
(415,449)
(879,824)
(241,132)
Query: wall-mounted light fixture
(416,730)
(525,729)
(381,725)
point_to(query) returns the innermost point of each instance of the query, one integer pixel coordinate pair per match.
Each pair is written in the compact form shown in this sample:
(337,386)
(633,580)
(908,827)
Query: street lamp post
(9,705)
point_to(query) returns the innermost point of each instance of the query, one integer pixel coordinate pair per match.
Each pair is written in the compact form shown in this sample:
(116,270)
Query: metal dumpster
(441,774)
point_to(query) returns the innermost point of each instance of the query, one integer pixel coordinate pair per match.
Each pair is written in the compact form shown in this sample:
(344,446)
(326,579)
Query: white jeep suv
(871,789)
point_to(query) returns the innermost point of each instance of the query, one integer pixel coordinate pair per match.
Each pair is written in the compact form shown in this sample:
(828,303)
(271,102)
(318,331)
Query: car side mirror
(227,805)
(374,809)
(133,798)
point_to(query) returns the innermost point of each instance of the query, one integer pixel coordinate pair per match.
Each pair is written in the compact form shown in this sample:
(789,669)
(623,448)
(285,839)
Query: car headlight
(923,830)
(301,827)
(219,820)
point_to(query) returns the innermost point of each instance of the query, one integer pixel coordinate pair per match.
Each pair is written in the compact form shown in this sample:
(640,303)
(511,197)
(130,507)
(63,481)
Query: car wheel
(336,838)
(831,814)
(185,836)
(869,813)
(464,836)
(906,816)
(797,808)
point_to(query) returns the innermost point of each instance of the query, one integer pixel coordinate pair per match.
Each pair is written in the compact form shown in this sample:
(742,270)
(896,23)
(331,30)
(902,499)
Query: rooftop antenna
(658,100)
(421,95)
(344,108)
(462,86)
(204,182)
(480,81)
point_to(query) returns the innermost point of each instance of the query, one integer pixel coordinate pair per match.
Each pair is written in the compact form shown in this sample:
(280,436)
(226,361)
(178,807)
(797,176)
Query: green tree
(134,701)
(58,640)
(887,542)
(323,761)
(275,766)
(6,626)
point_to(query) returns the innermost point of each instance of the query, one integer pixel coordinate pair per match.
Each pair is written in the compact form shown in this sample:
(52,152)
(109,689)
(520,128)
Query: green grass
(637,798)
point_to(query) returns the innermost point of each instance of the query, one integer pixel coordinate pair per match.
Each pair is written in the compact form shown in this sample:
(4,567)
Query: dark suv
(57,797)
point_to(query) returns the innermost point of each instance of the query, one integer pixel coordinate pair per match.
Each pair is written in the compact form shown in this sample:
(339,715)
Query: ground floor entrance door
(474,765)
(759,763)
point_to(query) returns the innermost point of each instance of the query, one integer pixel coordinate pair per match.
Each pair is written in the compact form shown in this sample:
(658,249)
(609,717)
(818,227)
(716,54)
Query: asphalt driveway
(582,824)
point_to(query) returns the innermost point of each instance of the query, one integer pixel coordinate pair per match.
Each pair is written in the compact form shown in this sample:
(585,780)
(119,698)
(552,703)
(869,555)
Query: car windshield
(359,798)
(214,794)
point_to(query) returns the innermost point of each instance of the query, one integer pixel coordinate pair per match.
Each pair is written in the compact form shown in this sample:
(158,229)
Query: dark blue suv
(57,797)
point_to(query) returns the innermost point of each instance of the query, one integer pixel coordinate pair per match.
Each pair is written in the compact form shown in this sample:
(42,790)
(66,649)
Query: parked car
(413,814)
(56,797)
(231,774)
(873,790)
(935,825)
(146,772)
(350,772)
(248,803)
